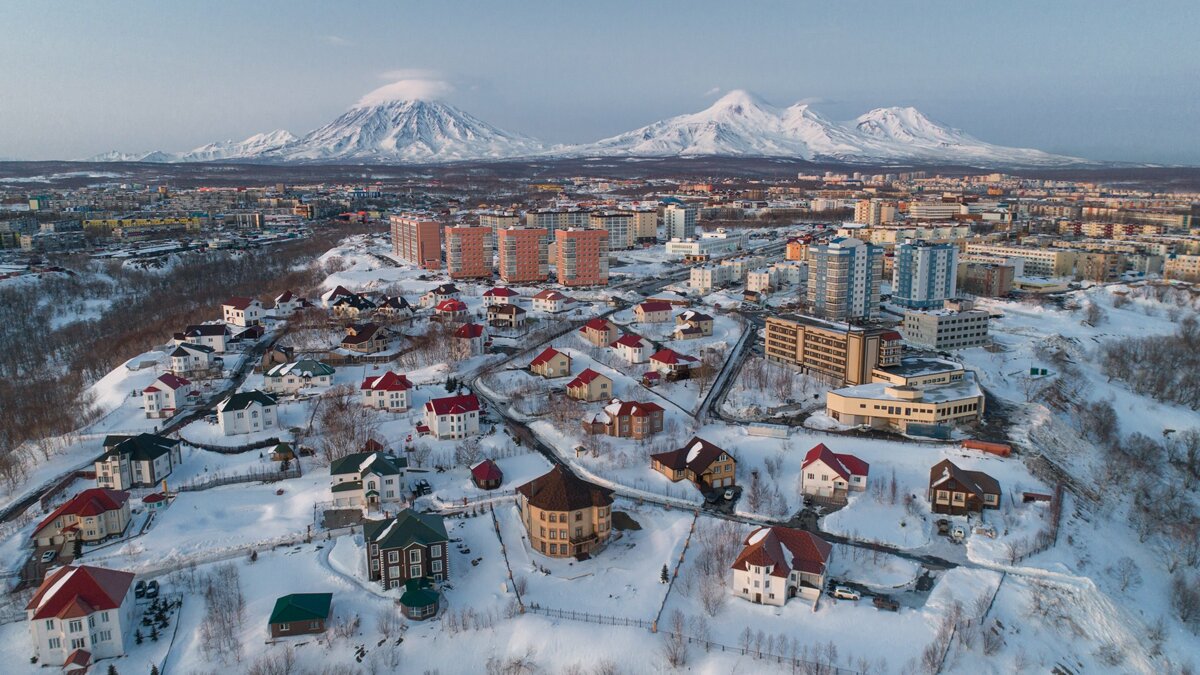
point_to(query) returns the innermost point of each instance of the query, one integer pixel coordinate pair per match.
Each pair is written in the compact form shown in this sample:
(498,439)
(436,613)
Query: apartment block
(874,212)
(645,225)
(498,220)
(620,225)
(989,280)
(523,254)
(557,219)
(581,257)
(679,221)
(469,252)
(1182,267)
(837,353)
(924,275)
(417,238)
(946,329)
(843,279)
(1039,262)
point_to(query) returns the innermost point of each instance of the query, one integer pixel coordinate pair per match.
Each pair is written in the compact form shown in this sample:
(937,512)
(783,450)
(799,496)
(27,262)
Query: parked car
(152,589)
(139,589)
(943,526)
(48,556)
(712,497)
(958,533)
(730,494)
(884,602)
(422,487)
(843,593)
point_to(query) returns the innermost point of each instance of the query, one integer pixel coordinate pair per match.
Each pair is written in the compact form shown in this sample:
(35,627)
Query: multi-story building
(874,212)
(81,610)
(452,416)
(90,517)
(582,257)
(143,460)
(523,254)
(1182,267)
(708,277)
(469,252)
(721,242)
(924,275)
(956,327)
(991,280)
(248,412)
(911,394)
(844,279)
(556,219)
(388,391)
(565,516)
(645,223)
(368,479)
(679,221)
(498,220)
(417,238)
(410,546)
(242,311)
(838,353)
(1038,262)
(781,563)
(626,419)
(620,225)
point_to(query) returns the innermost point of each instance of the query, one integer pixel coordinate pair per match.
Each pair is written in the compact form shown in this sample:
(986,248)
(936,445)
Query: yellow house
(590,386)
(551,363)
(563,515)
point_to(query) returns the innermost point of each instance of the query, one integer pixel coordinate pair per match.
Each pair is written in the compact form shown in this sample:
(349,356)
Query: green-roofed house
(300,614)
(289,378)
(370,479)
(410,546)
(419,601)
(248,412)
(143,460)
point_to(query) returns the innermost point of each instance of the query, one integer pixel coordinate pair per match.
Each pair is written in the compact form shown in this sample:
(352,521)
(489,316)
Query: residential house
(692,324)
(81,613)
(565,516)
(410,546)
(328,298)
(957,492)
(288,303)
(672,365)
(599,332)
(652,311)
(633,348)
(500,295)
(352,306)
(828,474)
(167,395)
(368,479)
(590,386)
(394,307)
(505,316)
(450,310)
(453,416)
(248,412)
(367,338)
(144,460)
(551,363)
(388,391)
(626,419)
(215,336)
(300,614)
(708,466)
(188,357)
(91,516)
(242,311)
(487,475)
(552,302)
(780,563)
(439,295)
(289,378)
(469,340)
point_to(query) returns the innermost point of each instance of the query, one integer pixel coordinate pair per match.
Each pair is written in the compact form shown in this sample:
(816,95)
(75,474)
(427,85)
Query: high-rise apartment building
(679,221)
(990,280)
(874,212)
(843,279)
(469,252)
(645,225)
(582,257)
(417,238)
(557,219)
(837,353)
(924,275)
(620,226)
(523,254)
(497,220)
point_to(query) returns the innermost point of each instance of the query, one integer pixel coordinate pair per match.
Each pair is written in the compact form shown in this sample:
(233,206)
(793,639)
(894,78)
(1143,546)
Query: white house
(81,609)
(632,348)
(500,295)
(242,311)
(143,460)
(167,395)
(369,479)
(287,303)
(248,412)
(780,563)
(388,391)
(825,473)
(453,416)
(215,336)
(551,301)
(440,294)
(289,378)
(191,358)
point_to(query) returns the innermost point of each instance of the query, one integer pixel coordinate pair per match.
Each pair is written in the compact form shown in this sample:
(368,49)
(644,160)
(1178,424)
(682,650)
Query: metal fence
(256,476)
(602,619)
(234,449)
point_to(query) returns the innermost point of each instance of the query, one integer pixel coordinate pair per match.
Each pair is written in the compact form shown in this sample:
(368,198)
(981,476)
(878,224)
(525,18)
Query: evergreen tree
(153,669)
(137,636)
(665,575)
(112,670)
(154,634)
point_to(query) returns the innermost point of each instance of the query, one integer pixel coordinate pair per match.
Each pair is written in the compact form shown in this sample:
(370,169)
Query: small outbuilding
(487,475)
(300,614)
(419,601)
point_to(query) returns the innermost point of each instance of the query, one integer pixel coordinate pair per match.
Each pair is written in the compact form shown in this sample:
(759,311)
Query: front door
(758,598)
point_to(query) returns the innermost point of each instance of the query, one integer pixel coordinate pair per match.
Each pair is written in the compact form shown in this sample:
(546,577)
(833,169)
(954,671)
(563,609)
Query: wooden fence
(234,449)
(255,476)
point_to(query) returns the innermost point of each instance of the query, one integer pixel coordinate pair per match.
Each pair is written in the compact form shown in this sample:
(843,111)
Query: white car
(843,593)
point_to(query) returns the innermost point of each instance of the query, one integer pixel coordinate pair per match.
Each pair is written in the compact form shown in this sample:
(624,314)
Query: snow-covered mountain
(256,145)
(742,124)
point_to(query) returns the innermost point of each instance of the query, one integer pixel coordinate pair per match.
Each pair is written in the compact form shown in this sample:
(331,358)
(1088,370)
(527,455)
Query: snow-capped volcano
(256,145)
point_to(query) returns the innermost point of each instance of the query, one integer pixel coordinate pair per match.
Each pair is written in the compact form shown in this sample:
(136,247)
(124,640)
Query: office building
(581,257)
(469,252)
(523,254)
(957,325)
(417,238)
(924,275)
(837,353)
(843,279)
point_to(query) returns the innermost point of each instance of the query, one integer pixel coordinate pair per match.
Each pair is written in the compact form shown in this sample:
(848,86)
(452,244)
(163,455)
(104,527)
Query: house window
(78,643)
(414,571)
(285,627)
(435,566)
(578,516)
(75,626)
(393,556)
(55,643)
(414,556)
(394,571)
(49,624)
(435,550)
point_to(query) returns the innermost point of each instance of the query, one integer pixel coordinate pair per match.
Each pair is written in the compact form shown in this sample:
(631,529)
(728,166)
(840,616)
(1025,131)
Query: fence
(257,476)
(675,573)
(507,566)
(602,619)
(1046,539)
(234,449)
(797,664)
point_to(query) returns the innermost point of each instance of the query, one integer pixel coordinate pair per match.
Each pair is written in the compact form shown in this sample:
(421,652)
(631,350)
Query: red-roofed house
(672,363)
(599,332)
(551,363)
(81,608)
(91,516)
(632,348)
(388,391)
(487,475)
(705,464)
(500,295)
(167,395)
(626,419)
(780,563)
(590,386)
(469,340)
(551,301)
(652,311)
(242,311)
(453,416)
(450,309)
(826,473)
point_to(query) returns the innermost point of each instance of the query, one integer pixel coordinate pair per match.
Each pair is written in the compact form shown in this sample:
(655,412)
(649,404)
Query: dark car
(139,589)
(886,603)
(152,588)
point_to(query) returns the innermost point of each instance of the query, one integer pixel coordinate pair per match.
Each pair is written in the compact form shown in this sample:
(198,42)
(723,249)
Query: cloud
(713,92)
(335,40)
(407,89)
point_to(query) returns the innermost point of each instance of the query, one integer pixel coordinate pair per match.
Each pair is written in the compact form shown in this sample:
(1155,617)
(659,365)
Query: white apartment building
(945,329)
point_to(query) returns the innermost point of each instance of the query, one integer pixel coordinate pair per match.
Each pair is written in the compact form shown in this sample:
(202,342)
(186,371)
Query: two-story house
(388,391)
(81,613)
(368,479)
(828,474)
(708,466)
(144,460)
(626,419)
(957,492)
(242,311)
(410,546)
(289,378)
(91,516)
(633,348)
(189,357)
(551,363)
(599,332)
(215,336)
(167,395)
(780,563)
(565,516)
(453,416)
(590,385)
(248,412)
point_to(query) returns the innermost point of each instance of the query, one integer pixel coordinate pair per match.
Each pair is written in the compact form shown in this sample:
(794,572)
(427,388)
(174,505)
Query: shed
(300,614)
(487,475)
(419,601)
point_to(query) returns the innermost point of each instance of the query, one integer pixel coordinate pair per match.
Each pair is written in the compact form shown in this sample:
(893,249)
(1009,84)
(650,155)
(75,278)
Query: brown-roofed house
(779,563)
(957,491)
(705,464)
(626,419)
(565,515)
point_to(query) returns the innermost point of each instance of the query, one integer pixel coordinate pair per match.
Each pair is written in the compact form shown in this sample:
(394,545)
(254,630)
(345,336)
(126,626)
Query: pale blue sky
(1100,79)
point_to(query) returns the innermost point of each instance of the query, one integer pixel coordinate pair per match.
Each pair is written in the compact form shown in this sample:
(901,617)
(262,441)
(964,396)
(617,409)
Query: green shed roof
(301,607)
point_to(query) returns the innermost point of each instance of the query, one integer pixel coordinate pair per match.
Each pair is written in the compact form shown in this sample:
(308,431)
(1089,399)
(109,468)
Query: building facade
(837,353)
(417,238)
(843,279)
(679,221)
(469,252)
(945,329)
(523,254)
(582,257)
(924,275)
(565,516)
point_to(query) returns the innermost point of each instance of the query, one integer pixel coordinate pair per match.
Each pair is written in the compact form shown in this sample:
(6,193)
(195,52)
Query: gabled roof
(286,296)
(90,502)
(337,292)
(303,368)
(388,381)
(841,464)
(505,309)
(672,357)
(978,482)
(631,340)
(597,324)
(551,294)
(362,463)
(547,354)
(487,470)
(445,289)
(358,302)
(654,306)
(301,607)
(244,399)
(500,292)
(469,330)
(72,592)
(171,381)
(408,527)
(394,302)
(143,447)
(784,549)
(585,378)
(619,408)
(206,330)
(561,491)
(362,332)
(692,315)
(697,455)
(450,305)
(183,348)
(453,405)
(239,302)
